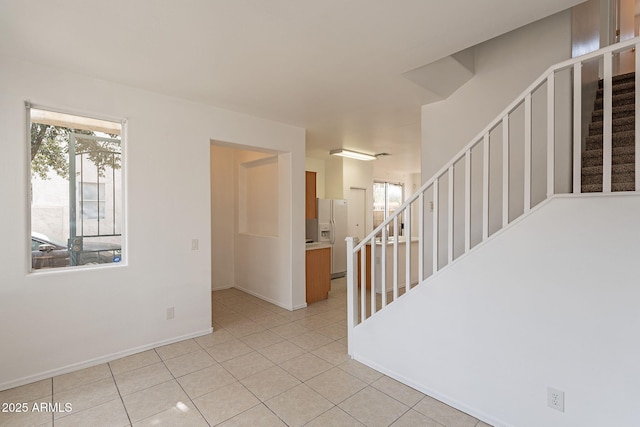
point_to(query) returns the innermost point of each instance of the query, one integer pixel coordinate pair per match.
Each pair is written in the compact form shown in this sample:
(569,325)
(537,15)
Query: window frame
(123,122)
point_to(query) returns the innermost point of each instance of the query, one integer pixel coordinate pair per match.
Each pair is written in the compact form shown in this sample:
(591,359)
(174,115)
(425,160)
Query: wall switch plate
(555,399)
(170,313)
(194,244)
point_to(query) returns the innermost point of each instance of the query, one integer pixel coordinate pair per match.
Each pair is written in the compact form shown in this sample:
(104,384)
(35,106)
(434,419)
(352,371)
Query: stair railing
(484,188)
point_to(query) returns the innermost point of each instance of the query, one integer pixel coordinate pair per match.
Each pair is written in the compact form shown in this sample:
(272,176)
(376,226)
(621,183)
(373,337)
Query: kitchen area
(326,231)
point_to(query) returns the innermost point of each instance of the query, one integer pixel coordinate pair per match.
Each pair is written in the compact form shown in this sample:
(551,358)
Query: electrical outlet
(170,313)
(555,399)
(194,244)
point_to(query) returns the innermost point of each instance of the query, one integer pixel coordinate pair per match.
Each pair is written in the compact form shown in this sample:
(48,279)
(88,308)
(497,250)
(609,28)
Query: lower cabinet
(318,274)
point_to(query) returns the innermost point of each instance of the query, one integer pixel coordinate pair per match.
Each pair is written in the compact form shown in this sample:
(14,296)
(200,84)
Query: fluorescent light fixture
(352,154)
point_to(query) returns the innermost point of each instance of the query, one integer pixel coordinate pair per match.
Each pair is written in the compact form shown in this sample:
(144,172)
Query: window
(76,202)
(93,200)
(387,197)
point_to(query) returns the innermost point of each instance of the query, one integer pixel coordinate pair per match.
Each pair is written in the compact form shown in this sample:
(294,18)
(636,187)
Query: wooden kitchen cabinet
(318,274)
(310,195)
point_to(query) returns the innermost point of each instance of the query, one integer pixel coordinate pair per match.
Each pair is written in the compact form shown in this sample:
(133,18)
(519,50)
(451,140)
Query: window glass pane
(76,190)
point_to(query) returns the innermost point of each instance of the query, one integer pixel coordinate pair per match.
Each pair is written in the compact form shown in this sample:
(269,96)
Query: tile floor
(262,366)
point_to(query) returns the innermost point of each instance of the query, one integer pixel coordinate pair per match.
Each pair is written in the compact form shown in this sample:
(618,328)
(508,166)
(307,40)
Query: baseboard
(269,300)
(433,393)
(97,361)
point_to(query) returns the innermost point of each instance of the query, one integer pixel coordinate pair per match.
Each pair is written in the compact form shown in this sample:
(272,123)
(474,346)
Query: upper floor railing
(530,152)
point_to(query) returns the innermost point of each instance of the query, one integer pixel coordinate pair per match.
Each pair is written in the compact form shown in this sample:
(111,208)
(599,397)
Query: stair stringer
(552,301)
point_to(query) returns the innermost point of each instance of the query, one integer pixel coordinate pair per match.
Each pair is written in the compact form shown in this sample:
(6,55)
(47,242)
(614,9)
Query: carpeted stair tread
(597,188)
(624,87)
(618,139)
(616,169)
(620,124)
(615,178)
(622,138)
(620,78)
(617,112)
(589,161)
(617,100)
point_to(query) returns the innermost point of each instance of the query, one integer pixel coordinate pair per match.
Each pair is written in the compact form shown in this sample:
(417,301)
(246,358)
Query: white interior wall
(223,217)
(504,67)
(549,302)
(261,266)
(84,317)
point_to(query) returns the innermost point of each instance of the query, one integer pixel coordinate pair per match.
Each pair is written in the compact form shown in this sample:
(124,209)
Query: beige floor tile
(207,380)
(242,329)
(154,400)
(373,408)
(190,362)
(226,402)
(444,414)
(228,350)
(344,341)
(281,352)
(290,330)
(183,414)
(270,383)
(28,392)
(414,418)
(177,349)
(134,361)
(336,385)
(110,414)
(258,313)
(310,341)
(81,377)
(298,405)
(261,339)
(398,391)
(335,331)
(218,336)
(361,371)
(29,418)
(247,365)
(141,378)
(313,322)
(334,353)
(335,417)
(306,366)
(259,415)
(272,321)
(229,319)
(86,396)
(483,424)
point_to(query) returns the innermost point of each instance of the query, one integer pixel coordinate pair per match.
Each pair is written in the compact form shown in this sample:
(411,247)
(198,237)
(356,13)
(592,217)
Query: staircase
(622,136)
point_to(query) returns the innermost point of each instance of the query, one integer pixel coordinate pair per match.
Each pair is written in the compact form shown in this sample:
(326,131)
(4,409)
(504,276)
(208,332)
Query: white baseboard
(432,393)
(97,361)
(262,297)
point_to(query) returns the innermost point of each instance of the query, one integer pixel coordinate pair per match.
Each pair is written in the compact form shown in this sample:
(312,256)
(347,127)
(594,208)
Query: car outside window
(76,183)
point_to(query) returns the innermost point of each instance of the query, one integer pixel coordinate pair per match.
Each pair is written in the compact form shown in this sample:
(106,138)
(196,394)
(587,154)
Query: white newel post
(352,300)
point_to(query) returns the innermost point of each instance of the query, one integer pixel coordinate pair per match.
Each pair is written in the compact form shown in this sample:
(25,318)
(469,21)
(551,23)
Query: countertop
(317,245)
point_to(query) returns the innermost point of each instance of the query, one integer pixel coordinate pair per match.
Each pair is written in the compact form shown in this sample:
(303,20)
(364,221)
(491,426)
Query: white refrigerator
(331,227)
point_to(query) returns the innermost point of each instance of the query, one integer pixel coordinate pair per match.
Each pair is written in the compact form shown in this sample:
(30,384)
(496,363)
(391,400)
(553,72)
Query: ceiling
(333,67)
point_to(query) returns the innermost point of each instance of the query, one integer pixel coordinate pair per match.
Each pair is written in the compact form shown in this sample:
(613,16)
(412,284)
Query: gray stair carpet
(622,138)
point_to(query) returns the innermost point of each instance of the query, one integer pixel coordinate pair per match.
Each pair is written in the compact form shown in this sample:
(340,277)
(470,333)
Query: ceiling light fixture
(352,154)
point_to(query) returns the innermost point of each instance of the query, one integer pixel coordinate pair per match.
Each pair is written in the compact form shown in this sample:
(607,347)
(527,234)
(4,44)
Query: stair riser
(597,188)
(615,160)
(622,125)
(618,89)
(619,79)
(615,178)
(595,142)
(616,101)
(617,113)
